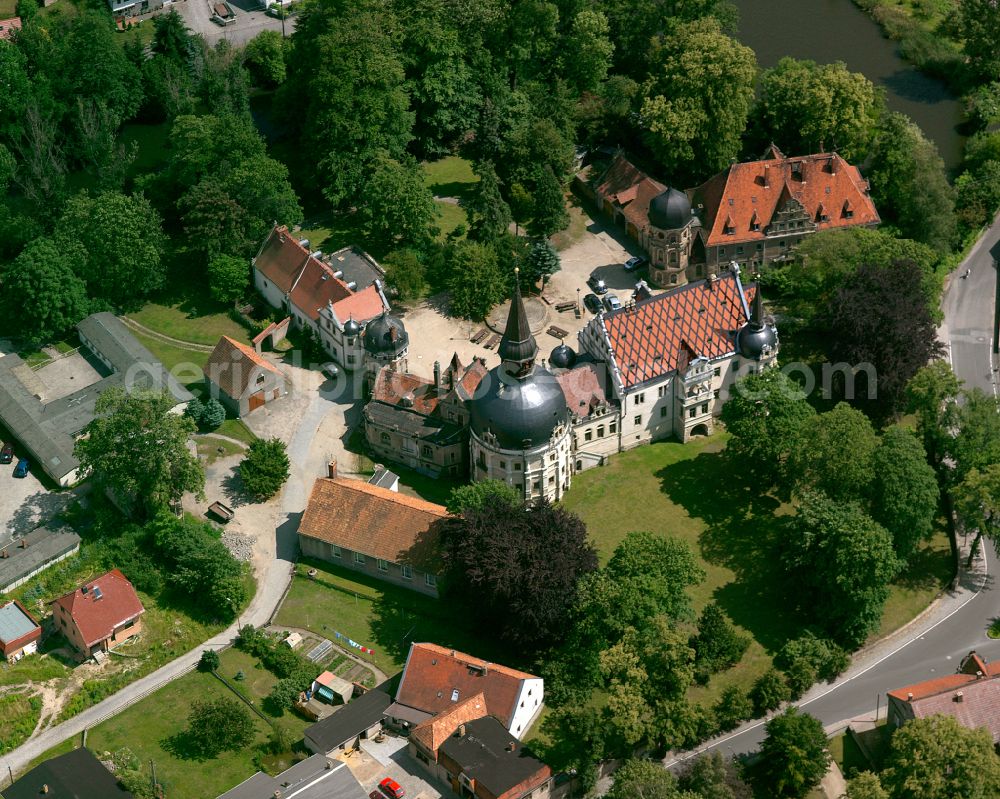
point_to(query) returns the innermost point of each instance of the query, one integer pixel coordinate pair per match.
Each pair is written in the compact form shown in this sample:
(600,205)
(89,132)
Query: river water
(837,30)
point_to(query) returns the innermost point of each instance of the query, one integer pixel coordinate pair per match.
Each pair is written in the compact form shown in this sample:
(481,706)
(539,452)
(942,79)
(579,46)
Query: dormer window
(848,210)
(754,222)
(260,378)
(821,214)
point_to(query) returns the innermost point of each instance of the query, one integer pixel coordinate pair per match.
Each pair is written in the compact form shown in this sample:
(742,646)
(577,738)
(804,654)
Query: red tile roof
(281,258)
(374,521)
(583,388)
(97,616)
(733,197)
(366,304)
(656,336)
(433,732)
(391,386)
(8,26)
(630,188)
(231,366)
(316,286)
(434,673)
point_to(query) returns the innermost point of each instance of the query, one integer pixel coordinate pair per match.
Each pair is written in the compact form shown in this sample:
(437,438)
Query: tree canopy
(793,757)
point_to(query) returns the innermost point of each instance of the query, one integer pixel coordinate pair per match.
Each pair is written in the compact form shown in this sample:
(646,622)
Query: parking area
(250,19)
(25,501)
(375,761)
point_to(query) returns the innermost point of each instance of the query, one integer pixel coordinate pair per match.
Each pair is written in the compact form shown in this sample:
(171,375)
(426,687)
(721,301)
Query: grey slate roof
(491,756)
(43,547)
(358,267)
(313,778)
(409,422)
(349,721)
(48,430)
(75,775)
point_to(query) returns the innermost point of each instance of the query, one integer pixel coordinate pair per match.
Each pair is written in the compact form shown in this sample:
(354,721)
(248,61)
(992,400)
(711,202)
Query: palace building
(751,213)
(657,368)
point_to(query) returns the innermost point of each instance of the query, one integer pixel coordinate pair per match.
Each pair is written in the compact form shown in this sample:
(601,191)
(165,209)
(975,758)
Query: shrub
(209,660)
(718,644)
(264,469)
(283,696)
(219,725)
(195,410)
(826,658)
(769,691)
(214,415)
(734,707)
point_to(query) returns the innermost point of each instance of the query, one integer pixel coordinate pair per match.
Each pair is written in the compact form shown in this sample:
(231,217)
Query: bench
(494,340)
(221,511)
(565,306)
(479,335)
(558,332)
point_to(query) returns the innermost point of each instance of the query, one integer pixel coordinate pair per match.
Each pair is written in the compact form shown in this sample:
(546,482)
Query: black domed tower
(757,340)
(386,343)
(519,419)
(669,237)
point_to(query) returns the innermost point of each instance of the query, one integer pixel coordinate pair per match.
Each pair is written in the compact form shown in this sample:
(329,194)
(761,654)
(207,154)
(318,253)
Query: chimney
(331,469)
(437,375)
(4,553)
(767,174)
(511,746)
(909,697)
(45,788)
(461,730)
(22,543)
(711,281)
(959,697)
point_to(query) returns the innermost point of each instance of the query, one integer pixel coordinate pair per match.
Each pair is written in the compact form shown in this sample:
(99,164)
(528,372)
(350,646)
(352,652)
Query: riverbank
(917,30)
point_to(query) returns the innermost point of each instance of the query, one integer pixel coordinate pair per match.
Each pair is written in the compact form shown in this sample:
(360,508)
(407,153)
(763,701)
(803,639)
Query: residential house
(436,679)
(358,719)
(47,424)
(751,213)
(383,533)
(241,378)
(19,632)
(8,27)
(74,775)
(333,296)
(316,777)
(99,615)
(483,760)
(423,423)
(672,356)
(23,557)
(971,697)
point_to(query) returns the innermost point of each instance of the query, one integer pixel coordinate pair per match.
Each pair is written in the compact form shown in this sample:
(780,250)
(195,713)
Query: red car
(392,788)
(7,453)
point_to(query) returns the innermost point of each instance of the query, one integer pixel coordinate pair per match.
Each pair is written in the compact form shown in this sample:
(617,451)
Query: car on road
(635,263)
(21,470)
(392,788)
(597,285)
(612,303)
(7,453)
(593,303)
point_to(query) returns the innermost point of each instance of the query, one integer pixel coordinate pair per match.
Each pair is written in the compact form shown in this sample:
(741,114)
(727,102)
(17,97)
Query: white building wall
(544,471)
(529,702)
(274,296)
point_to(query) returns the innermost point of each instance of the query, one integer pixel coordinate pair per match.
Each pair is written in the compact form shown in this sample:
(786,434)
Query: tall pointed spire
(757,310)
(518,345)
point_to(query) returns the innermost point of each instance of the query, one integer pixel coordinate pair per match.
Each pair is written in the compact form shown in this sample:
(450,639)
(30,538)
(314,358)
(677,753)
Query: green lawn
(8,8)
(211,449)
(235,428)
(692,492)
(451,217)
(378,615)
(198,322)
(449,177)
(185,365)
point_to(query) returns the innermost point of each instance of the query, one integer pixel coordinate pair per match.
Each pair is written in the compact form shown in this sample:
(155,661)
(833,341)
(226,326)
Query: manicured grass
(211,449)
(150,729)
(379,615)
(19,715)
(203,323)
(578,221)
(234,428)
(185,365)
(142,31)
(694,493)
(451,216)
(449,177)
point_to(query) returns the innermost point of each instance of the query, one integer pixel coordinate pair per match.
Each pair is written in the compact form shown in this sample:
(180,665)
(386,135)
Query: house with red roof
(421,422)
(19,632)
(99,615)
(971,697)
(383,533)
(751,213)
(671,357)
(438,680)
(241,378)
(8,27)
(333,295)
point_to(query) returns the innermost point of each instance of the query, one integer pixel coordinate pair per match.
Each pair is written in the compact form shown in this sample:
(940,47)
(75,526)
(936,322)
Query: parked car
(222,14)
(612,303)
(7,453)
(21,470)
(598,285)
(392,788)
(592,302)
(635,263)
(375,795)
(330,370)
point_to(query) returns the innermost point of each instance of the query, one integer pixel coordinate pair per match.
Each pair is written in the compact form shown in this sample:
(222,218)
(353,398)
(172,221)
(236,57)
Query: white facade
(528,705)
(541,472)
(275,297)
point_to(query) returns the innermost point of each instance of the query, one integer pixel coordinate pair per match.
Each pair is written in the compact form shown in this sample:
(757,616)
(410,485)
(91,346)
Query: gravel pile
(240,545)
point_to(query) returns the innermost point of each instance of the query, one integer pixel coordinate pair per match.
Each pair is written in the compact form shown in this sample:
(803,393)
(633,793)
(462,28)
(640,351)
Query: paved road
(934,644)
(249,21)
